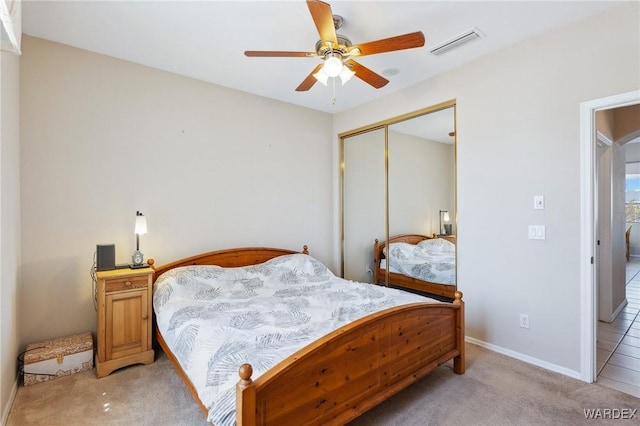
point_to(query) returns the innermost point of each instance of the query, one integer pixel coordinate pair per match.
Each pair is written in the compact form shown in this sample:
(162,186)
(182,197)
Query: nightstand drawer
(126,284)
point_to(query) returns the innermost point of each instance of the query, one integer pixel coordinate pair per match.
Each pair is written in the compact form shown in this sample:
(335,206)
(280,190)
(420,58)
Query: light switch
(538,202)
(537,232)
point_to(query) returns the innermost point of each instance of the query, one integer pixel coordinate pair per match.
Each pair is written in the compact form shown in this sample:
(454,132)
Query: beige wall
(604,255)
(9,225)
(421,183)
(618,123)
(604,123)
(618,228)
(518,114)
(626,121)
(364,202)
(610,257)
(210,167)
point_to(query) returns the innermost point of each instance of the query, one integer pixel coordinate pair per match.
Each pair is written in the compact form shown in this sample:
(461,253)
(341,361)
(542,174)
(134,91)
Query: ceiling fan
(338,52)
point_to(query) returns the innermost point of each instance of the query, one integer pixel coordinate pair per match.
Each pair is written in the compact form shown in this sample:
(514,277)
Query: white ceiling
(206,39)
(434,126)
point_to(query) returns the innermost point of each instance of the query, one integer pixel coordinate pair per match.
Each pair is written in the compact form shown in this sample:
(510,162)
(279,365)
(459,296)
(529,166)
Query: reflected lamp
(445,228)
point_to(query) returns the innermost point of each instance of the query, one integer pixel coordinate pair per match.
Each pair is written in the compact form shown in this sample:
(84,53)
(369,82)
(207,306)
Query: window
(632,193)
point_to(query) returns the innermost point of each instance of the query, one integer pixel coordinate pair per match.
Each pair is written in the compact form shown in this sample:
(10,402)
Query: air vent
(458,40)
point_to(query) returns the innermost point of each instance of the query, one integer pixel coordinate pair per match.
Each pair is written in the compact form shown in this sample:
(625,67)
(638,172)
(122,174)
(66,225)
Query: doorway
(588,290)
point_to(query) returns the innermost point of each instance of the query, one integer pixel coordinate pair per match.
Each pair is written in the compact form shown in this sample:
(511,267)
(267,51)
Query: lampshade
(445,216)
(346,74)
(322,76)
(332,66)
(141,224)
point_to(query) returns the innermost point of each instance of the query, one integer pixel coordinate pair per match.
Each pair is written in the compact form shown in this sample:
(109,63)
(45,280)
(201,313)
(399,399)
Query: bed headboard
(228,258)
(404,238)
(378,248)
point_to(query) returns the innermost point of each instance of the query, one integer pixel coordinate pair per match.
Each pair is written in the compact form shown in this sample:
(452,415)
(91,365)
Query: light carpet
(495,390)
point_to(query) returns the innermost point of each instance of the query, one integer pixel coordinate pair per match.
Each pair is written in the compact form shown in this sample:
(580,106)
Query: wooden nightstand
(124,319)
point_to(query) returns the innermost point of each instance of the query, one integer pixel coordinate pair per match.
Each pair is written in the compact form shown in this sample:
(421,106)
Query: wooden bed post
(305,249)
(245,397)
(459,361)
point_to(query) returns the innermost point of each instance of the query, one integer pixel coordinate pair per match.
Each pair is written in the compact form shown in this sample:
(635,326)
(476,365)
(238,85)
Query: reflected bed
(417,263)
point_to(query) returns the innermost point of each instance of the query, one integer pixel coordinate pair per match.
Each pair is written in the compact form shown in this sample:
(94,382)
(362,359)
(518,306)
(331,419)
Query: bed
(330,380)
(418,263)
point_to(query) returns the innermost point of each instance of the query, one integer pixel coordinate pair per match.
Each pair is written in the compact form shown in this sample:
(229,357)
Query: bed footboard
(349,371)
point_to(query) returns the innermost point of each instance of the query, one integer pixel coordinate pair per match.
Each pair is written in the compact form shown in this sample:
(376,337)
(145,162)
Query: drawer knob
(127,283)
(145,316)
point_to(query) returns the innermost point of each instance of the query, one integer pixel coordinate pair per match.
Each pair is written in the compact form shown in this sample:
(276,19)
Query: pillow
(400,253)
(398,248)
(296,267)
(437,245)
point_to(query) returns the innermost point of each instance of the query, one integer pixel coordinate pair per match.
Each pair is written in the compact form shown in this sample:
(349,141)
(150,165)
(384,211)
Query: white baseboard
(617,311)
(7,408)
(526,358)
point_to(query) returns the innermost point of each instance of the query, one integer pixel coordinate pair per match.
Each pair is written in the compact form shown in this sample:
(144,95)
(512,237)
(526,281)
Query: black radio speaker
(106,257)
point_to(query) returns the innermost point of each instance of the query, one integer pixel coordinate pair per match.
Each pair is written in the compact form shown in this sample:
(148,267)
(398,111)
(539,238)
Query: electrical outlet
(524,320)
(367,268)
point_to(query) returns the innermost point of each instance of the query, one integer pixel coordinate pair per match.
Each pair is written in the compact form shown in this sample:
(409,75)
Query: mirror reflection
(363,202)
(419,215)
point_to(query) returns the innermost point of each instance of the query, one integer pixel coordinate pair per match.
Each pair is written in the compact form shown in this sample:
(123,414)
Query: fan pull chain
(333,83)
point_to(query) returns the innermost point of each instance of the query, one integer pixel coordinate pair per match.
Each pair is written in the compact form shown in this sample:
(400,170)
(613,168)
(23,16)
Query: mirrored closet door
(422,174)
(398,187)
(363,189)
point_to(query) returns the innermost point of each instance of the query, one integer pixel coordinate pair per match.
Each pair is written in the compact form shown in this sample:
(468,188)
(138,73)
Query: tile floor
(618,356)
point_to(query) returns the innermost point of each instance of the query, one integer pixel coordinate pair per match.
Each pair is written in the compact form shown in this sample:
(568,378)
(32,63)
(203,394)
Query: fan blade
(407,41)
(323,18)
(270,54)
(309,81)
(366,75)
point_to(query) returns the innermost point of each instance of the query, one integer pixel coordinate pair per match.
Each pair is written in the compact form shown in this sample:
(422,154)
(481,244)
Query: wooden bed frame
(343,374)
(403,281)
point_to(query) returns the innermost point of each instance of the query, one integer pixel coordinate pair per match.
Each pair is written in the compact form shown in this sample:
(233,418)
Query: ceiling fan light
(346,74)
(322,76)
(332,66)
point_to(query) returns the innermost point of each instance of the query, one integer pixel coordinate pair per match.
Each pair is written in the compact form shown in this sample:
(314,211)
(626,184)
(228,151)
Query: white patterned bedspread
(432,260)
(215,319)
